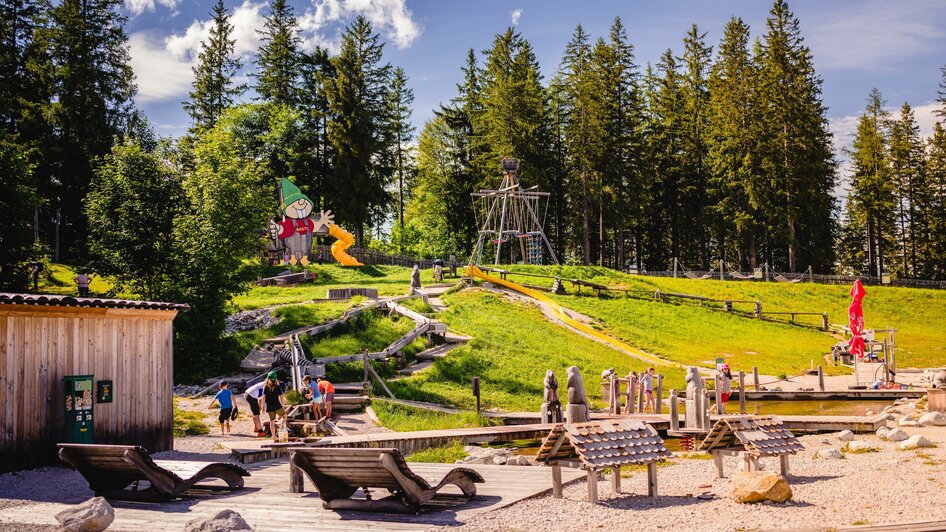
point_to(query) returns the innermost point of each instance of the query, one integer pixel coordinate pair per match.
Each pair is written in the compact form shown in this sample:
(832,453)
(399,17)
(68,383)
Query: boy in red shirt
(328,394)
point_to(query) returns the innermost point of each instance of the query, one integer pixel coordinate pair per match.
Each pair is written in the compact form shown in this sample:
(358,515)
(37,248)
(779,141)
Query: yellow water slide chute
(559,311)
(345,241)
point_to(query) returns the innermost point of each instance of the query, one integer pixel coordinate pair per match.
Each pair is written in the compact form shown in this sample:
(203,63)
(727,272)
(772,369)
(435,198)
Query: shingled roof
(9,298)
(600,444)
(758,435)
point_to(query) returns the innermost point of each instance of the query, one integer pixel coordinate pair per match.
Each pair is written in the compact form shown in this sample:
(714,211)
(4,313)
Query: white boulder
(94,515)
(882,433)
(829,454)
(915,442)
(846,435)
(932,418)
(907,421)
(897,435)
(857,446)
(499,460)
(222,521)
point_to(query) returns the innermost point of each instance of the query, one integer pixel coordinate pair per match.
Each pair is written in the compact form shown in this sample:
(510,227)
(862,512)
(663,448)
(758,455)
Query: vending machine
(78,405)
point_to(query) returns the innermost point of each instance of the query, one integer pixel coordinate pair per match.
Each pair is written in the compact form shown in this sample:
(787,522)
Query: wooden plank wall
(40,345)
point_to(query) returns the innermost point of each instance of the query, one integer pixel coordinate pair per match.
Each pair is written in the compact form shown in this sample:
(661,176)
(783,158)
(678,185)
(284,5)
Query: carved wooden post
(707,423)
(660,392)
(742,393)
(755,378)
(820,378)
(824,321)
(556,481)
(674,411)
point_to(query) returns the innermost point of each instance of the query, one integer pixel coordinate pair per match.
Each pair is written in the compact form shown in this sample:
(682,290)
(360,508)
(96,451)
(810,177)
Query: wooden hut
(751,437)
(127,348)
(598,445)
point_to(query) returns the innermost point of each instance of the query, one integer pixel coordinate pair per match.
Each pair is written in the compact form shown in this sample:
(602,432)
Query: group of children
(267,397)
(646,383)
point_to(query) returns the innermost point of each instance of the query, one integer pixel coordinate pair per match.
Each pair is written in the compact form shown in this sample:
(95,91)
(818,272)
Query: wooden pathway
(267,504)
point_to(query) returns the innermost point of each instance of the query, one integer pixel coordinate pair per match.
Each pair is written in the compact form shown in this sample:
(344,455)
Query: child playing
(313,394)
(224,399)
(273,402)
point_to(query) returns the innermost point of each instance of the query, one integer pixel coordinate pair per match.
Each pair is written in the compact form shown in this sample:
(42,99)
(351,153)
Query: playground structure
(510,215)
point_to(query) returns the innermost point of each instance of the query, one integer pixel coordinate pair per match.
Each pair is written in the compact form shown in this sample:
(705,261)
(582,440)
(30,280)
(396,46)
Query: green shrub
(295,397)
(188,423)
(446,454)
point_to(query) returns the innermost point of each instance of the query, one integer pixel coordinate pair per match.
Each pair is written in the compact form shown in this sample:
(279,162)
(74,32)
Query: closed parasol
(856,316)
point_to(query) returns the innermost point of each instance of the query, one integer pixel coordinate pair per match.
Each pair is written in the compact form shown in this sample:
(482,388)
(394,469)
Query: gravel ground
(888,486)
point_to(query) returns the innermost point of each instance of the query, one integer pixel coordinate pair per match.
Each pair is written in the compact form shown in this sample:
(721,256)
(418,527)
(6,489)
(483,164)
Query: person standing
(725,388)
(35,270)
(328,394)
(253,395)
(273,401)
(82,281)
(438,272)
(415,279)
(224,399)
(314,395)
(647,385)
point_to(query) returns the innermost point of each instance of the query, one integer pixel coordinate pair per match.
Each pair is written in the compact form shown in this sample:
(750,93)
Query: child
(647,384)
(253,396)
(313,394)
(273,401)
(224,399)
(725,388)
(328,393)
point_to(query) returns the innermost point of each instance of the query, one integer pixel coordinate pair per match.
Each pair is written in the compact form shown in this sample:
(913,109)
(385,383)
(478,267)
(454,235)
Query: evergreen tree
(18,22)
(795,150)
(315,69)
(873,195)
(213,75)
(906,161)
(935,207)
(92,90)
(941,96)
(278,58)
(731,142)
(356,98)
(17,204)
(399,100)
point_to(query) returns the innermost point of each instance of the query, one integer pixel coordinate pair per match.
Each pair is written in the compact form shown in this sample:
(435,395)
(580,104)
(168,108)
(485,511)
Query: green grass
(188,423)
(512,347)
(58,280)
(400,418)
(417,305)
(446,454)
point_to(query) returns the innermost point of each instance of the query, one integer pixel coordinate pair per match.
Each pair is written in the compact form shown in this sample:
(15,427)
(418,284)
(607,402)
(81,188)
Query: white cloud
(163,65)
(392,18)
(874,35)
(515,15)
(137,7)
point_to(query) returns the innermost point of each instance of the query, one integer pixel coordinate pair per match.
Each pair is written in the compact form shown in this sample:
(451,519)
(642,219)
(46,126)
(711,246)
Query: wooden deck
(836,395)
(267,504)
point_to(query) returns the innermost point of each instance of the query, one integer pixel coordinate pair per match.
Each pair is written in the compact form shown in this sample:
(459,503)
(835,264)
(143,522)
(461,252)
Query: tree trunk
(585,222)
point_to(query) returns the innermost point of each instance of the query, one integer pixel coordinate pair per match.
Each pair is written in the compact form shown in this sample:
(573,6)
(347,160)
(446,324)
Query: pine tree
(731,141)
(213,75)
(315,69)
(873,195)
(92,87)
(399,100)
(17,204)
(356,98)
(941,95)
(795,151)
(934,211)
(906,161)
(278,58)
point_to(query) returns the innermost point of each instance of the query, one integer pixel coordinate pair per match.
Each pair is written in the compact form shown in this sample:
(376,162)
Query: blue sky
(895,46)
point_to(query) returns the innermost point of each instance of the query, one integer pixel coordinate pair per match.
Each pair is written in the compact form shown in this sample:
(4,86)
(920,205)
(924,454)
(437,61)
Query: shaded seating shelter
(751,437)
(599,445)
(117,472)
(338,472)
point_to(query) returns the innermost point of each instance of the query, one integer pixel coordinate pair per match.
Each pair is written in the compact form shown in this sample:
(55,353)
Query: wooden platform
(267,504)
(836,395)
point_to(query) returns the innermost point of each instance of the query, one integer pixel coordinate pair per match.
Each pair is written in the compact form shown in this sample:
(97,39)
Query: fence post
(824,321)
(758,310)
(660,390)
(719,396)
(674,411)
(755,378)
(742,393)
(820,378)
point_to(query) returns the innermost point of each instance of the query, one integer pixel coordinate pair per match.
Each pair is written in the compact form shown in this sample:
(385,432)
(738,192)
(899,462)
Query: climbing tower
(510,224)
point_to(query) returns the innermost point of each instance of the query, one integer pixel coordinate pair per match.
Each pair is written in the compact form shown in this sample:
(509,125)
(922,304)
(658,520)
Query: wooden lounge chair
(111,469)
(338,473)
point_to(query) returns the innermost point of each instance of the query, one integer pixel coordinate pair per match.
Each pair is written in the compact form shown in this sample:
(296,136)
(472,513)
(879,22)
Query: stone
(869,413)
(907,421)
(222,521)
(758,486)
(882,433)
(499,460)
(911,405)
(890,417)
(829,454)
(846,435)
(915,442)
(897,435)
(857,446)
(94,515)
(932,418)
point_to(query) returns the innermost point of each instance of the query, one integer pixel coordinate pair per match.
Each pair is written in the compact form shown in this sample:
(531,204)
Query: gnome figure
(296,227)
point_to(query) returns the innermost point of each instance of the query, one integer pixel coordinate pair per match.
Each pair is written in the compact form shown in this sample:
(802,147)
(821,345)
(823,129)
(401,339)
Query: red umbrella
(856,315)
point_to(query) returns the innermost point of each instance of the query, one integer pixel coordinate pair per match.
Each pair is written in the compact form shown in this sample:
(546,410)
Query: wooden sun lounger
(338,473)
(111,469)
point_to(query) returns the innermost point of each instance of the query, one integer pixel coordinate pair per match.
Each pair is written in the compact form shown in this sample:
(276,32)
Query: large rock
(883,432)
(907,421)
(758,486)
(846,435)
(915,442)
(932,418)
(94,515)
(222,521)
(829,454)
(897,435)
(858,446)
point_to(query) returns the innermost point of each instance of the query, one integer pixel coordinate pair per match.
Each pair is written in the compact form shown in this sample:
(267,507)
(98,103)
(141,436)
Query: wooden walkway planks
(266,503)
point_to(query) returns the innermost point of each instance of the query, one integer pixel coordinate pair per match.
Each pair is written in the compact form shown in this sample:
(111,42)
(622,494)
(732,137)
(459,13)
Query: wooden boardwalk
(267,504)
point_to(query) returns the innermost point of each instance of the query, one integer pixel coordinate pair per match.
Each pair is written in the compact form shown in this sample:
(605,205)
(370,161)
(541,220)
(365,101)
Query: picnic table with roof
(751,437)
(599,445)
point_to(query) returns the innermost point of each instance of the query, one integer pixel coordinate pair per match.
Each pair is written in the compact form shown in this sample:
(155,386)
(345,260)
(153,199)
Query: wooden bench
(112,469)
(338,473)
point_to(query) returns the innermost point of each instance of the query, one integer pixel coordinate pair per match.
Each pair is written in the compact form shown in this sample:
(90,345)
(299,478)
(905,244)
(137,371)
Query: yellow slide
(345,241)
(473,271)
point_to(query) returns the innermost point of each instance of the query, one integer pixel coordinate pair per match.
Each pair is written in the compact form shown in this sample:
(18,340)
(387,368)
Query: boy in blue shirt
(224,398)
(313,394)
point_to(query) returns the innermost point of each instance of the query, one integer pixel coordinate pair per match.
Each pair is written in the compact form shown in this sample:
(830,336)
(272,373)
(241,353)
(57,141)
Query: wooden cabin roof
(606,443)
(758,435)
(89,302)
